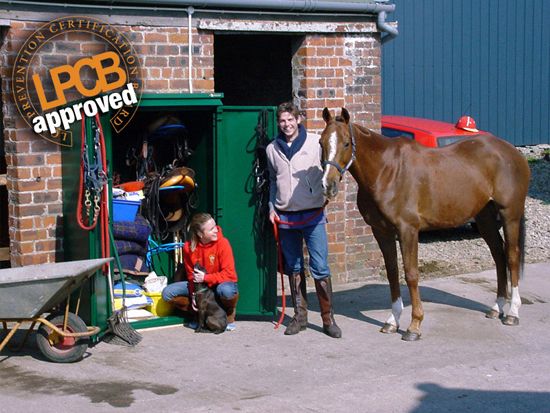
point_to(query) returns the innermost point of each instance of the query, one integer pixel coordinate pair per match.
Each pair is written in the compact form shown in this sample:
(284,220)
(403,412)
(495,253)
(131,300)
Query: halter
(340,169)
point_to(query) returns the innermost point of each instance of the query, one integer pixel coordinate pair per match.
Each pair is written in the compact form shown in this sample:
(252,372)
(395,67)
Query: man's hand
(272,216)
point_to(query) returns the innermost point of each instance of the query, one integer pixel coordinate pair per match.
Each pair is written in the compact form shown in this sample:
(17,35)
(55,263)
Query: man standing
(296,195)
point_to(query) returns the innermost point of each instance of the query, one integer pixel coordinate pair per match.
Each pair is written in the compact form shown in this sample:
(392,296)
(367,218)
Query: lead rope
(93,185)
(99,142)
(277,221)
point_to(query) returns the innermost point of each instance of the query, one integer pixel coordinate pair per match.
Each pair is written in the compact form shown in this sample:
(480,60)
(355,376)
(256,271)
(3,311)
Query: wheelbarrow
(26,293)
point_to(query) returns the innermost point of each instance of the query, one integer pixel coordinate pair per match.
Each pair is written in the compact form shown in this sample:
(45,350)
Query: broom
(122,333)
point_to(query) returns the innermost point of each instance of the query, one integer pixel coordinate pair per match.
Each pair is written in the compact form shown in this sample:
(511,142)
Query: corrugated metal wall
(489,59)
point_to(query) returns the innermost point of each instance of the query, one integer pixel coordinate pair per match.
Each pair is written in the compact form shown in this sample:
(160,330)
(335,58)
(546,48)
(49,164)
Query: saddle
(183,178)
(169,189)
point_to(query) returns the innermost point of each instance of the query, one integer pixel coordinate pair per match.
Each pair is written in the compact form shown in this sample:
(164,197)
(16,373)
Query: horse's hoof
(494,314)
(388,329)
(411,336)
(510,320)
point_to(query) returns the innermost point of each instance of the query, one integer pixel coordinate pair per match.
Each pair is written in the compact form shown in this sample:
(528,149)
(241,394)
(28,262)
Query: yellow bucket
(160,307)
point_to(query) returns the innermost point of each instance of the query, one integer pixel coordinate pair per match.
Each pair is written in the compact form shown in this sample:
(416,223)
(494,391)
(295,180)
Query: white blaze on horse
(405,187)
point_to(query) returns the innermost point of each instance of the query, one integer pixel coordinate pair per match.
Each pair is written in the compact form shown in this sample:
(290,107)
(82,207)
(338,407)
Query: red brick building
(255,55)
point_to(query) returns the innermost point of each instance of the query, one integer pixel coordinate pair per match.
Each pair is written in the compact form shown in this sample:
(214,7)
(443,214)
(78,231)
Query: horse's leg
(513,242)
(487,224)
(408,240)
(389,252)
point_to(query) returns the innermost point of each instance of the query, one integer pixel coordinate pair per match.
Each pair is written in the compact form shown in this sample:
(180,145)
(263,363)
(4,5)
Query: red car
(430,133)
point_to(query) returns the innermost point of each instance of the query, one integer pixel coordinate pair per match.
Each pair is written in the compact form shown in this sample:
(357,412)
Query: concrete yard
(464,362)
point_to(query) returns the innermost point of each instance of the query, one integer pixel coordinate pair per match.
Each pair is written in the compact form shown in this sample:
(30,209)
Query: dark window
(395,133)
(447,140)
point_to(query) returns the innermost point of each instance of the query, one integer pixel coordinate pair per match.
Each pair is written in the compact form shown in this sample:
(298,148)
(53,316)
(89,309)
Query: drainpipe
(381,10)
(294,6)
(282,5)
(385,27)
(190,11)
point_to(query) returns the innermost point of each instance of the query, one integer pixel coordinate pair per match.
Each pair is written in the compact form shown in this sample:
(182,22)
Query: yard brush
(121,332)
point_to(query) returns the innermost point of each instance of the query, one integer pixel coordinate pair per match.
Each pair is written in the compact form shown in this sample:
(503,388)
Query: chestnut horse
(404,188)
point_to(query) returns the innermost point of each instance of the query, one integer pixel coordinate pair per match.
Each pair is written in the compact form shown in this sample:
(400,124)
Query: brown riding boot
(298,290)
(230,307)
(324,293)
(181,303)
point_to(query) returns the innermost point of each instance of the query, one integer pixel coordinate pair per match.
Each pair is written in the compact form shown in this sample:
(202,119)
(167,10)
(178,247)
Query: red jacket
(216,257)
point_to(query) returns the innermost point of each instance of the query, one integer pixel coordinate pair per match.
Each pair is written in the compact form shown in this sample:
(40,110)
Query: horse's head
(338,150)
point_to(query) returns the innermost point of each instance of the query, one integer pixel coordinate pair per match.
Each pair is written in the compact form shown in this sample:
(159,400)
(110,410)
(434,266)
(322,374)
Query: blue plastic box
(124,210)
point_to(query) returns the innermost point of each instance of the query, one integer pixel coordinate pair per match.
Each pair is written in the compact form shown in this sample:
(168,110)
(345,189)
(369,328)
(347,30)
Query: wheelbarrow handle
(91,330)
(10,335)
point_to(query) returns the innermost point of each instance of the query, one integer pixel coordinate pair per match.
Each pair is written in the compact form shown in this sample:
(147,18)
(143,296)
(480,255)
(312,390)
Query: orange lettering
(95,63)
(79,86)
(113,69)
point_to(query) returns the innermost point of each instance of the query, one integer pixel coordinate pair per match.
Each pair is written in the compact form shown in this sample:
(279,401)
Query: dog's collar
(203,289)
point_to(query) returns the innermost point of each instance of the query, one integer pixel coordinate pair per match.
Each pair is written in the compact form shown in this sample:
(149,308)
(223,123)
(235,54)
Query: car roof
(432,127)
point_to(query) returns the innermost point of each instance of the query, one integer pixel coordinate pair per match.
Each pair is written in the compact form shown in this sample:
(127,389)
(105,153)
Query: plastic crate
(160,307)
(124,210)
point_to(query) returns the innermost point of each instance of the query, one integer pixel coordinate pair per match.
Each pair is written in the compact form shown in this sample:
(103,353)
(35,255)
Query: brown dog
(212,318)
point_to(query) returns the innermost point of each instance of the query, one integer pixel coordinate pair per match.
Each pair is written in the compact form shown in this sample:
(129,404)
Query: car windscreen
(447,140)
(395,133)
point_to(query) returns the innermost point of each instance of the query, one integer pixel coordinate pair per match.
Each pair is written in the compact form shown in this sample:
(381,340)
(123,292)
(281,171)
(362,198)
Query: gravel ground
(462,250)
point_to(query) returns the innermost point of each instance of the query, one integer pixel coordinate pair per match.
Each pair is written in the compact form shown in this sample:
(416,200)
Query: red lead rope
(104,205)
(105,246)
(277,221)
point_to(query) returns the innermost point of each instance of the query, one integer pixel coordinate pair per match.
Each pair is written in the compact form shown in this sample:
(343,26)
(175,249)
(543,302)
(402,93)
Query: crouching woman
(207,247)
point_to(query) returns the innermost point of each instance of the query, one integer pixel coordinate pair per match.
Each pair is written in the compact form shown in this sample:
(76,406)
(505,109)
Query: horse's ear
(327,117)
(345,116)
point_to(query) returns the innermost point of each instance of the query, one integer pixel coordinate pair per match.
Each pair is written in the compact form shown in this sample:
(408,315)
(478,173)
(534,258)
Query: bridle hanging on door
(93,189)
(93,178)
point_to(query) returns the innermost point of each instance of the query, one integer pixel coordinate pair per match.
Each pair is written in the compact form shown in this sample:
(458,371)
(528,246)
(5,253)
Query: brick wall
(33,171)
(328,70)
(34,164)
(338,71)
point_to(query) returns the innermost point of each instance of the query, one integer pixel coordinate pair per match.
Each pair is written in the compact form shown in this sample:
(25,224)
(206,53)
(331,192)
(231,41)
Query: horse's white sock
(396,310)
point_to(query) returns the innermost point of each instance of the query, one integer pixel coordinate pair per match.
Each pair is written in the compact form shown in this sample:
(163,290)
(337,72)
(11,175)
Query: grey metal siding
(489,59)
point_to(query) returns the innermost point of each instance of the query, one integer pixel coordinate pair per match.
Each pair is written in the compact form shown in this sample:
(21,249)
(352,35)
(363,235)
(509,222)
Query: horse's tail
(521,246)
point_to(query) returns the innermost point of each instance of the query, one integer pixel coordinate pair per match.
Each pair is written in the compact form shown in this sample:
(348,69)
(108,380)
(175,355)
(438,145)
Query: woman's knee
(227,289)
(178,289)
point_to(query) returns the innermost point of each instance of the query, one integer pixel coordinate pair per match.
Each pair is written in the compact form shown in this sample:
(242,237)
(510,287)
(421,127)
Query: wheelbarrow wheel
(62,349)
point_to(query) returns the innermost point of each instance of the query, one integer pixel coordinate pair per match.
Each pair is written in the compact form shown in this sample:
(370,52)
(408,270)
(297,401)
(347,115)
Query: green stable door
(80,244)
(253,244)
(223,141)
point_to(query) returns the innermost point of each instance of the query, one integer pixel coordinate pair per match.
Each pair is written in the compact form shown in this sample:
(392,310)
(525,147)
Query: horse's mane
(362,128)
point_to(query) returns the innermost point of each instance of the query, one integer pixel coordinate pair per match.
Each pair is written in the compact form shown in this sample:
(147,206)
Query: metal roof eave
(378,8)
(293,6)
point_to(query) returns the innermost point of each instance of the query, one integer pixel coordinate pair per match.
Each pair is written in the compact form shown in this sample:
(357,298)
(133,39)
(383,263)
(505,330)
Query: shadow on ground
(441,399)
(355,302)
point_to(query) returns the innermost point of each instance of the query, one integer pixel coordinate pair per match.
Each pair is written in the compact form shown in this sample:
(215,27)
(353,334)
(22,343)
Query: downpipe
(385,27)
